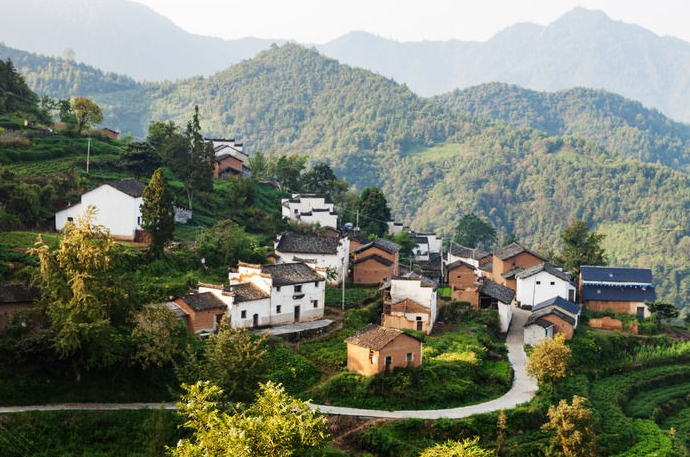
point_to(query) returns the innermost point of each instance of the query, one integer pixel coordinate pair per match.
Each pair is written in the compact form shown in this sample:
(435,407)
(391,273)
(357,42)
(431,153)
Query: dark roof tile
(375,337)
(131,187)
(497,291)
(291,273)
(309,244)
(203,301)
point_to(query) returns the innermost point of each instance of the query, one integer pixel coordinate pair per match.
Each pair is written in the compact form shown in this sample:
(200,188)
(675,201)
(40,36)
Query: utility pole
(342,284)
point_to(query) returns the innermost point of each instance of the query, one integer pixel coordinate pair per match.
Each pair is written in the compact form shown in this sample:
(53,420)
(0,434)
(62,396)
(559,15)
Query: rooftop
(497,291)
(375,337)
(547,267)
(559,302)
(310,244)
(245,292)
(513,249)
(381,243)
(291,273)
(131,187)
(203,301)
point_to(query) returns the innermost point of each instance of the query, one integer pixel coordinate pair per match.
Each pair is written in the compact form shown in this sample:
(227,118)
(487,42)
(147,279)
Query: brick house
(204,311)
(461,277)
(407,314)
(375,261)
(550,317)
(410,302)
(468,255)
(619,289)
(510,260)
(376,349)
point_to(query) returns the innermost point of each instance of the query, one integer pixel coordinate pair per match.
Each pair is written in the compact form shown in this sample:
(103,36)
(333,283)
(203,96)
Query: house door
(571,295)
(419,323)
(296,313)
(255,320)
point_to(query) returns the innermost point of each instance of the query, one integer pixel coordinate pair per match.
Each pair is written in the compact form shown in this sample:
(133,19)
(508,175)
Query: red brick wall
(358,359)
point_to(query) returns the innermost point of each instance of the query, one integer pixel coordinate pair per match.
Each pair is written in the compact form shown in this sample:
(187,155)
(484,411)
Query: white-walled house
(493,295)
(319,252)
(118,206)
(269,295)
(542,282)
(468,255)
(310,209)
(550,317)
(418,289)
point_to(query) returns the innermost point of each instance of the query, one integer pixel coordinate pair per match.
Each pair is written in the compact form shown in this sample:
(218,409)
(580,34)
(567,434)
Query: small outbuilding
(376,349)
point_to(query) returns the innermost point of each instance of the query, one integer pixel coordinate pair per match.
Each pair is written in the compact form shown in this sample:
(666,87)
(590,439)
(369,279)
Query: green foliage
(550,360)
(139,158)
(275,424)
(473,232)
(374,212)
(158,335)
(15,95)
(226,243)
(650,440)
(572,427)
(465,448)
(86,113)
(157,215)
(580,246)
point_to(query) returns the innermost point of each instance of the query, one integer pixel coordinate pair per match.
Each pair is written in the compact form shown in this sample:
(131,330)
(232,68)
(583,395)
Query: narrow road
(522,391)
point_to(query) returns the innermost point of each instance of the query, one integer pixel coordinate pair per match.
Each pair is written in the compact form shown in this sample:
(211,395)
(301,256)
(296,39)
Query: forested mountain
(436,163)
(123,37)
(623,127)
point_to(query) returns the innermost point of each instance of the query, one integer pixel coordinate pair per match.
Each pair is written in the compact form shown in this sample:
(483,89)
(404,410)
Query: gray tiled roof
(547,267)
(497,291)
(381,243)
(203,301)
(458,263)
(459,250)
(539,320)
(131,187)
(376,257)
(291,273)
(559,302)
(310,244)
(535,316)
(616,274)
(374,337)
(617,284)
(245,292)
(513,272)
(513,249)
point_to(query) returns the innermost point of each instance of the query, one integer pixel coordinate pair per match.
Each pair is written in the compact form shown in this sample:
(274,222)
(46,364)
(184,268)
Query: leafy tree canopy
(157,214)
(473,232)
(374,212)
(580,246)
(572,427)
(550,360)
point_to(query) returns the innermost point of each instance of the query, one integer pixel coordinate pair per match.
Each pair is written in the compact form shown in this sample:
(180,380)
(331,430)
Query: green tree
(157,215)
(139,158)
(84,293)
(465,448)
(226,243)
(159,132)
(580,246)
(86,113)
(550,360)
(189,157)
(276,424)
(287,170)
(374,212)
(473,232)
(572,425)
(661,311)
(258,164)
(15,95)
(158,335)
(407,245)
(322,181)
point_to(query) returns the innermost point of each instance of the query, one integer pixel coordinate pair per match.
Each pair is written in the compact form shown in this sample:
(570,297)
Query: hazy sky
(318,21)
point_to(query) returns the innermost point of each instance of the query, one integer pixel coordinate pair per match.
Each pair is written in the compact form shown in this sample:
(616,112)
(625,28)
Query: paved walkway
(522,391)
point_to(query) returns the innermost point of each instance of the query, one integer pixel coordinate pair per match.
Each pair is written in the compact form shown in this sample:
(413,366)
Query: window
(553,283)
(315,303)
(371,356)
(139,220)
(316,284)
(278,288)
(538,282)
(389,362)
(278,308)
(298,288)
(408,357)
(70,219)
(243,314)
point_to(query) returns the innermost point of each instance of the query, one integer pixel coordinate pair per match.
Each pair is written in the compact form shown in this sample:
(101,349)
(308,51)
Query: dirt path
(522,391)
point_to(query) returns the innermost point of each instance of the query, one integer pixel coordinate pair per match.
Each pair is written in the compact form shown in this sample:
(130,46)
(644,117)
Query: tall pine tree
(157,215)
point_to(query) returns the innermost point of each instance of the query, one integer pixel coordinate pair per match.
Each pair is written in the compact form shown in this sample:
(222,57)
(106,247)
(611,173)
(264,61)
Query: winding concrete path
(523,388)
(522,391)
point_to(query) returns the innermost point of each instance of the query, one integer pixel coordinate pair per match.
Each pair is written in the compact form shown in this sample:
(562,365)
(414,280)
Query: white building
(465,254)
(493,295)
(322,253)
(542,282)
(310,209)
(269,295)
(419,289)
(118,206)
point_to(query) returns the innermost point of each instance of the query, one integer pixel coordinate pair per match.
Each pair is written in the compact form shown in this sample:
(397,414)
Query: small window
(243,314)
(278,309)
(371,356)
(316,284)
(70,219)
(139,220)
(538,282)
(298,288)
(315,303)
(408,357)
(278,288)
(553,283)
(389,361)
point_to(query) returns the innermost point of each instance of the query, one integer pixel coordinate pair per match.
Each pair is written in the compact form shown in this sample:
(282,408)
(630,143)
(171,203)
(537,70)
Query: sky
(319,21)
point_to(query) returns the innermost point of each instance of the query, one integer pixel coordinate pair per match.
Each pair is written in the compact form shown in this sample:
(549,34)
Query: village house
(493,295)
(309,209)
(15,298)
(619,289)
(118,205)
(375,261)
(270,295)
(462,278)
(427,244)
(230,158)
(551,317)
(203,311)
(376,349)
(471,256)
(509,261)
(325,254)
(410,302)
(542,282)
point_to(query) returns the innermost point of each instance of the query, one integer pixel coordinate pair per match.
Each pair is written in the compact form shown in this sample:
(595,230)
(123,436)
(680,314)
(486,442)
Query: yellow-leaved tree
(550,360)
